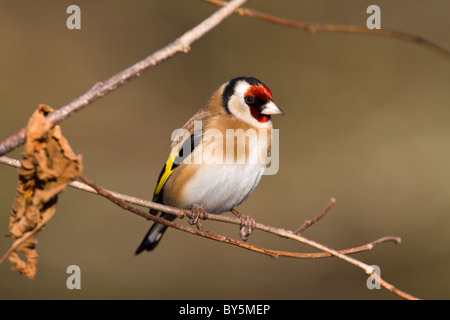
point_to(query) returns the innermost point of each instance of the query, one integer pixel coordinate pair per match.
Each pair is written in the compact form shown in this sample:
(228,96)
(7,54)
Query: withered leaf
(48,164)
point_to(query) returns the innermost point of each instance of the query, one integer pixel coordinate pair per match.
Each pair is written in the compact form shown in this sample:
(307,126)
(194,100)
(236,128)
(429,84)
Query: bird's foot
(248,224)
(197,214)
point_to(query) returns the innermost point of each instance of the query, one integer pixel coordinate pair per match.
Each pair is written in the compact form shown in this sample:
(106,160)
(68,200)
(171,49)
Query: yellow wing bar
(168,169)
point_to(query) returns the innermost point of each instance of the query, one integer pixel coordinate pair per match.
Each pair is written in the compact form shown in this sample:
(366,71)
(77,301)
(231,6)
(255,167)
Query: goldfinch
(210,166)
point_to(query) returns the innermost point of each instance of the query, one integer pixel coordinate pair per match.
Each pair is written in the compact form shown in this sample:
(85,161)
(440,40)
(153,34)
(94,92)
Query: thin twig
(391,288)
(314,28)
(309,223)
(180,45)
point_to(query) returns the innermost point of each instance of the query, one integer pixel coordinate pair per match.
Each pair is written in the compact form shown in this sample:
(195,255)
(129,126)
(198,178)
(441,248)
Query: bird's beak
(270,108)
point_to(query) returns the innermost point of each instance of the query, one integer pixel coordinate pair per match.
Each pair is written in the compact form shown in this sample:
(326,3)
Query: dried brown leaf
(48,164)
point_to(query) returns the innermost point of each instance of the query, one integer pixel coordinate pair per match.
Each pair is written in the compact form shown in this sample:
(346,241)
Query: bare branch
(180,45)
(214,217)
(391,288)
(314,28)
(309,223)
(288,234)
(327,252)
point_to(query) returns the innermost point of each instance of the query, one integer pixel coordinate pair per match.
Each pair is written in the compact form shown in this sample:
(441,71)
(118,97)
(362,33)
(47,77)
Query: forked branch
(116,198)
(274,253)
(112,195)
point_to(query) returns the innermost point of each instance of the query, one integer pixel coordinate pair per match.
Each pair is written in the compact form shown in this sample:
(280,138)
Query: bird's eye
(249,99)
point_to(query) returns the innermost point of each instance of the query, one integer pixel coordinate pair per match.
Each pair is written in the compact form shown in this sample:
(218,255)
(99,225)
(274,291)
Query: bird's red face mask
(259,99)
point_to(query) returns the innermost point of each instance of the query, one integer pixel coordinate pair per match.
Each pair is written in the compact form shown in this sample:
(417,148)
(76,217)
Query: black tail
(155,233)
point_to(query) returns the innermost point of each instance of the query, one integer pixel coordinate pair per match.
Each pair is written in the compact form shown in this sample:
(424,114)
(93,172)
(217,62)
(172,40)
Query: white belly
(223,180)
(221,187)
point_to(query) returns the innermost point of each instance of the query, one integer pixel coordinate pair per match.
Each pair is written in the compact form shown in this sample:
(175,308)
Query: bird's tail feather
(155,233)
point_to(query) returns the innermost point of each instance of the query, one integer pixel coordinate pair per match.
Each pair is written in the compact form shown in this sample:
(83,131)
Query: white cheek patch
(236,104)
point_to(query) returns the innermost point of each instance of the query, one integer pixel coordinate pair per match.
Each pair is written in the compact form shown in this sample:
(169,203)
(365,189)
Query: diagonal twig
(180,45)
(309,223)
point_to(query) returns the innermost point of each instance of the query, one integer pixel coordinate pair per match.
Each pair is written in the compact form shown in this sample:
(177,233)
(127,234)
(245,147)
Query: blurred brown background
(367,123)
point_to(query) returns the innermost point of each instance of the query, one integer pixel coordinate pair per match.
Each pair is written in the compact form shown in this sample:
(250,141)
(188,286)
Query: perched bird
(199,174)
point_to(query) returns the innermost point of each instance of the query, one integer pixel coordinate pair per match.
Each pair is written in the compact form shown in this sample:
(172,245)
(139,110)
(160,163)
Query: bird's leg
(248,224)
(197,212)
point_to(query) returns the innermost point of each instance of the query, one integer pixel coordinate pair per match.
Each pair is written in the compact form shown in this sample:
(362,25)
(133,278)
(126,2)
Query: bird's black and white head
(249,99)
